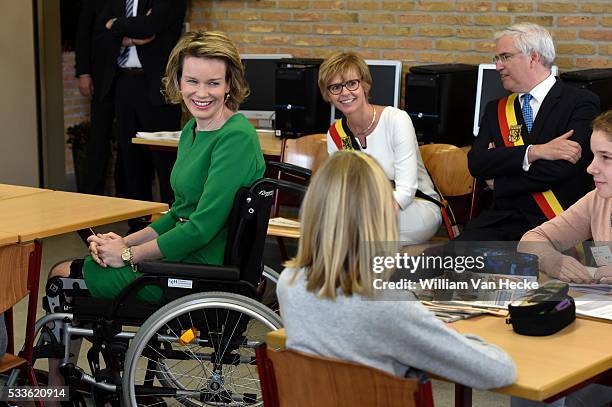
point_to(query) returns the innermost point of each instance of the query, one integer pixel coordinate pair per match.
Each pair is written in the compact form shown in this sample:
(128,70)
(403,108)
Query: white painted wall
(18,117)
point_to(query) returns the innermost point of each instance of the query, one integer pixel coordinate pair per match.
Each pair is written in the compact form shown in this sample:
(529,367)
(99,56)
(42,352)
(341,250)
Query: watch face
(125,255)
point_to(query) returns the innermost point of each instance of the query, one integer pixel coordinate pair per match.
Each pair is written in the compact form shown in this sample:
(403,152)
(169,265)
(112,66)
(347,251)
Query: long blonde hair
(347,218)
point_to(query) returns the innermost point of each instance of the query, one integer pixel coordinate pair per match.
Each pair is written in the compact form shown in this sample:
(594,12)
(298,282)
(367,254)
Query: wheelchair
(195,346)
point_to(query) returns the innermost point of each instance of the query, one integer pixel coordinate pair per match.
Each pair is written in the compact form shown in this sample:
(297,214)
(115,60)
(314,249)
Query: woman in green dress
(218,153)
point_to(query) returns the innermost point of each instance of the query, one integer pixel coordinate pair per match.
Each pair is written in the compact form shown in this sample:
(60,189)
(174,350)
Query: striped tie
(527,111)
(125,54)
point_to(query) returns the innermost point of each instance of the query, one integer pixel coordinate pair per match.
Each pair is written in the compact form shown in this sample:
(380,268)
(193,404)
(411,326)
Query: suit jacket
(88,28)
(564,108)
(165,22)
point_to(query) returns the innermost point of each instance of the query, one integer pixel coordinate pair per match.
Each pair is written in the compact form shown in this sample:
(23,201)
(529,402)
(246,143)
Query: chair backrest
(14,262)
(19,276)
(290,378)
(447,165)
(248,226)
(308,151)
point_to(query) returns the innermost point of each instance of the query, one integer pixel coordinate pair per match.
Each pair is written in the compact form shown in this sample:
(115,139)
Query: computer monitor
(488,88)
(260,73)
(386,82)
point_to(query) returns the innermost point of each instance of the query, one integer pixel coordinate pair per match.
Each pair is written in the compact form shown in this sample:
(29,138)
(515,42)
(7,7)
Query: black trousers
(99,144)
(491,225)
(135,113)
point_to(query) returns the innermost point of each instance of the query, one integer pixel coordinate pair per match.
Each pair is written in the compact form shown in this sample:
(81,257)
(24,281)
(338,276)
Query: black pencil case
(543,311)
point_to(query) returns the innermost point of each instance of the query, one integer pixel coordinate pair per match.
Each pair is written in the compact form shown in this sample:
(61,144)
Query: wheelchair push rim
(215,362)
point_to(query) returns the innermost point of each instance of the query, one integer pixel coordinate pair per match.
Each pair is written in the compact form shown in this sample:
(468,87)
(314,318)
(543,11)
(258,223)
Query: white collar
(540,91)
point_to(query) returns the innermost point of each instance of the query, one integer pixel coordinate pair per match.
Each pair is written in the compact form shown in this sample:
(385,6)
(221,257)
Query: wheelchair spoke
(214,363)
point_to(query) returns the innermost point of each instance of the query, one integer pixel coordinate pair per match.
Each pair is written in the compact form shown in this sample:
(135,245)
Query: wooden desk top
(53,213)
(548,365)
(270,144)
(14,191)
(8,238)
(283,231)
(545,365)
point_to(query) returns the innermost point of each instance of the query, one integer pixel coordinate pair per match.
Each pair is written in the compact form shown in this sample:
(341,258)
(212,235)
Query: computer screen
(260,73)
(489,87)
(386,82)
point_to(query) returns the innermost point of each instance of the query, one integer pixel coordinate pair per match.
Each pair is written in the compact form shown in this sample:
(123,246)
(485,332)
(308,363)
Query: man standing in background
(138,36)
(89,55)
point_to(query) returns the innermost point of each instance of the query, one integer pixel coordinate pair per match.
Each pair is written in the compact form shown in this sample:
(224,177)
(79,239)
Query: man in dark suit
(88,52)
(138,36)
(533,146)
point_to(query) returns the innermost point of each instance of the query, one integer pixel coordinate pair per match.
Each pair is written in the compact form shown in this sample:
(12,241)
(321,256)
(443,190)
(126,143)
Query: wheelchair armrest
(190,270)
(291,169)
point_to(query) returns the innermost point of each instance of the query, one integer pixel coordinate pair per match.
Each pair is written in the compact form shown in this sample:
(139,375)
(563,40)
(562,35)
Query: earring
(227,96)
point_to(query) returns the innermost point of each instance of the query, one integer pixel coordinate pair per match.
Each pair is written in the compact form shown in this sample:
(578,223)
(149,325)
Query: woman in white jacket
(385,133)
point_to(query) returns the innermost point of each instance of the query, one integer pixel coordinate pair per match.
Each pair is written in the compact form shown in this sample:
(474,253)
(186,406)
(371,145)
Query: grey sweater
(392,333)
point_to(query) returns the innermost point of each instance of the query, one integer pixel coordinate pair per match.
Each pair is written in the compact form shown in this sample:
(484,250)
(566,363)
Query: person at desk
(532,148)
(385,133)
(327,299)
(218,153)
(589,218)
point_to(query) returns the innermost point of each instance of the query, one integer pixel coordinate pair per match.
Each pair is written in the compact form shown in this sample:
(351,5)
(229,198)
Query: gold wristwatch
(128,258)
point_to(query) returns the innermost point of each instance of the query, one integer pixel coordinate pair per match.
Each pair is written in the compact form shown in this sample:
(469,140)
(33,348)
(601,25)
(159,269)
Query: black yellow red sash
(342,136)
(511,134)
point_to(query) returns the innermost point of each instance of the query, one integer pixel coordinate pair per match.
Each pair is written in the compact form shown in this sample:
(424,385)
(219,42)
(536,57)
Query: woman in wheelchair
(218,154)
(328,300)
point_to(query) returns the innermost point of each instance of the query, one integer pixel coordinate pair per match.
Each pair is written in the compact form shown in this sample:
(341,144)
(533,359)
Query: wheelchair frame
(186,319)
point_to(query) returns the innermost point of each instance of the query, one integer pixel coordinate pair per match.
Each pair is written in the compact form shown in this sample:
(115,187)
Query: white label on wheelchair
(177,283)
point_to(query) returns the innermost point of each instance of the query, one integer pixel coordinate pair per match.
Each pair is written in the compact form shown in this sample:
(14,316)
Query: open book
(284,222)
(159,135)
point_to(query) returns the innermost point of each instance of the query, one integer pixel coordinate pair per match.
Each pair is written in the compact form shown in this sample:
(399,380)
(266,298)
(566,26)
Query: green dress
(209,170)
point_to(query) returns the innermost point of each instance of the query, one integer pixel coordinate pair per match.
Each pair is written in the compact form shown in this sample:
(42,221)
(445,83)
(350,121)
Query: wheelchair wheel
(199,351)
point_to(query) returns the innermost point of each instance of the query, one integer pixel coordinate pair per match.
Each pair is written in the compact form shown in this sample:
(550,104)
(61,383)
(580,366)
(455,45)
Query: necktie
(125,54)
(527,111)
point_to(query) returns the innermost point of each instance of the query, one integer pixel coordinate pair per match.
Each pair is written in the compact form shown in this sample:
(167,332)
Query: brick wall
(415,32)
(76,107)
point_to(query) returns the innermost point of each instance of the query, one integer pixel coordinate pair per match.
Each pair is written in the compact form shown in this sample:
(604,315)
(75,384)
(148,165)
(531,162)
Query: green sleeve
(233,164)
(164,223)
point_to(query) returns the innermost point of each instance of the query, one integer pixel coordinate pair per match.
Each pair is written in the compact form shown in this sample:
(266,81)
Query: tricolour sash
(511,134)
(342,136)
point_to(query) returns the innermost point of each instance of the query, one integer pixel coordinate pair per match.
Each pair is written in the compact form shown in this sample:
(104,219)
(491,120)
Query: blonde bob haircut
(347,218)
(206,44)
(603,123)
(341,64)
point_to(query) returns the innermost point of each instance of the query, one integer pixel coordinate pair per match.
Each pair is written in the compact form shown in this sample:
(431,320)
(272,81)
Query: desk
(41,215)
(283,231)
(270,144)
(15,191)
(546,366)
(8,238)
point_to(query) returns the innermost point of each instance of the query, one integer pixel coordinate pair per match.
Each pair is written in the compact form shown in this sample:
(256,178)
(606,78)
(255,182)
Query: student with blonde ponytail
(328,293)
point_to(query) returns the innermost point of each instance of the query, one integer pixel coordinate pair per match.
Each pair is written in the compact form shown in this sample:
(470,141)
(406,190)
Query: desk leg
(463,395)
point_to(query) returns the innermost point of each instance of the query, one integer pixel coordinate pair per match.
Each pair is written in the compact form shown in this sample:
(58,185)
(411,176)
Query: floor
(70,246)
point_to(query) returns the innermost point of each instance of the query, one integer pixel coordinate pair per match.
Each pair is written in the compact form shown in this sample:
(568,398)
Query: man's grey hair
(528,38)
